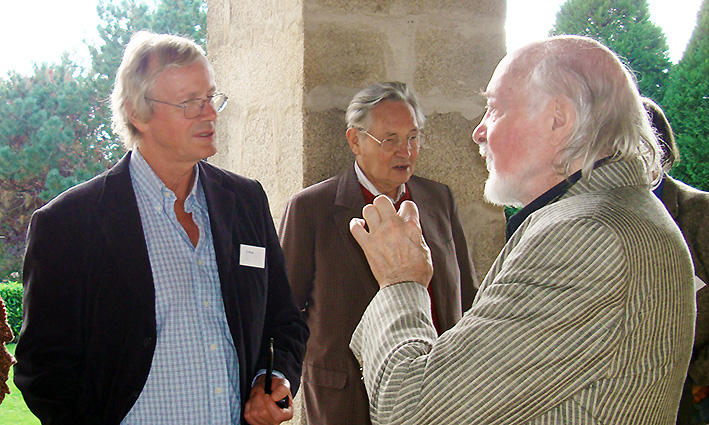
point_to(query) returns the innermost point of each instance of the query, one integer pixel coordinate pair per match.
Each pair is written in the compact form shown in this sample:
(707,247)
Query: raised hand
(394,245)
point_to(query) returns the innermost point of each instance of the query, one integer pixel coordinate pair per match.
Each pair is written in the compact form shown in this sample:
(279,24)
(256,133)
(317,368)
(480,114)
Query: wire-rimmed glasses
(392,143)
(194,107)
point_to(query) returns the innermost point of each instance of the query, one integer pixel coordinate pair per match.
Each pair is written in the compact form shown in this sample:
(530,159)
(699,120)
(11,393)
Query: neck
(176,176)
(537,187)
(390,193)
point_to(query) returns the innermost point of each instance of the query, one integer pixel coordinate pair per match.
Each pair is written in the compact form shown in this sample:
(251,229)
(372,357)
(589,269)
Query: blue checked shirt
(194,376)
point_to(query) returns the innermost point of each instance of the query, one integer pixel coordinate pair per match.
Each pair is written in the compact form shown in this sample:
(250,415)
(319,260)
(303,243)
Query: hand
(394,245)
(261,409)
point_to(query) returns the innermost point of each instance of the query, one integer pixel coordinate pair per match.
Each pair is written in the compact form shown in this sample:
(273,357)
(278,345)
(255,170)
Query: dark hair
(659,122)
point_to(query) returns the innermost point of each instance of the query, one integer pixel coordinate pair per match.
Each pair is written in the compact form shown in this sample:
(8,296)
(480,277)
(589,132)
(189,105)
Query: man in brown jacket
(328,272)
(688,207)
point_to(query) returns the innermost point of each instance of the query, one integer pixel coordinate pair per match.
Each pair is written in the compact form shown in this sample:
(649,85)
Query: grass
(13,410)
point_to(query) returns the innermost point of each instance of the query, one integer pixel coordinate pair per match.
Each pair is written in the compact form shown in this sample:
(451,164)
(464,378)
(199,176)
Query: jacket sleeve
(285,324)
(512,346)
(49,353)
(693,220)
(297,238)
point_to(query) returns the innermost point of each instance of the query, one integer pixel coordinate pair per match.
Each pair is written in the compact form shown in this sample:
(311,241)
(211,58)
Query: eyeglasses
(194,107)
(390,144)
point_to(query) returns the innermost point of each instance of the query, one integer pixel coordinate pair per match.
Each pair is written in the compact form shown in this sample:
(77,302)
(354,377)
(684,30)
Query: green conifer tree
(56,126)
(625,27)
(687,106)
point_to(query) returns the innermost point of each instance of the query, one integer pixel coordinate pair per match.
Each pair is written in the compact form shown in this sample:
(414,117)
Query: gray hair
(146,56)
(610,117)
(363,102)
(665,136)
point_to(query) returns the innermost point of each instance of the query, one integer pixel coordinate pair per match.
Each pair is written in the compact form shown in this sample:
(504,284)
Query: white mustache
(484,153)
(483,150)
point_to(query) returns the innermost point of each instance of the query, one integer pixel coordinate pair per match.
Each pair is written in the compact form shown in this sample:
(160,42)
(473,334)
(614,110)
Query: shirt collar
(364,181)
(545,199)
(154,188)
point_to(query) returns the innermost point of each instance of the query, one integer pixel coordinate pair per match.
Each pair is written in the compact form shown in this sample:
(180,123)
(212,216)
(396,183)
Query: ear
(563,118)
(134,118)
(352,135)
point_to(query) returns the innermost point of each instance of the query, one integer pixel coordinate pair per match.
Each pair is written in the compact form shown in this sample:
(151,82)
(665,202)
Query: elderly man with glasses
(326,268)
(153,290)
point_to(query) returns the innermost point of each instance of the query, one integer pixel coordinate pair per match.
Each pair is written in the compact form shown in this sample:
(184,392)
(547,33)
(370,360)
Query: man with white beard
(587,315)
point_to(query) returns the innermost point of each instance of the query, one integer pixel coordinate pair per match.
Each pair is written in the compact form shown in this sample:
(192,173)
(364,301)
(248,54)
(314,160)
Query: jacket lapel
(349,202)
(428,217)
(670,196)
(220,203)
(123,231)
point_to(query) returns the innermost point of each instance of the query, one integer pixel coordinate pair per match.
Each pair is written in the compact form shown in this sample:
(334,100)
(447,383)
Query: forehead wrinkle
(179,91)
(196,93)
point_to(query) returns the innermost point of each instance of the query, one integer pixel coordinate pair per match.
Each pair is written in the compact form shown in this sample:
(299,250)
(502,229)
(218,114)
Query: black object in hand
(282,403)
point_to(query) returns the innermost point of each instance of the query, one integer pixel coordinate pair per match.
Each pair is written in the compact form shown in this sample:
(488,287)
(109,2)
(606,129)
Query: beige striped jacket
(586,317)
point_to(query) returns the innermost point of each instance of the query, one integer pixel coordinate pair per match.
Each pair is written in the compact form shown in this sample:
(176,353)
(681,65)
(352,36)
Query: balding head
(610,117)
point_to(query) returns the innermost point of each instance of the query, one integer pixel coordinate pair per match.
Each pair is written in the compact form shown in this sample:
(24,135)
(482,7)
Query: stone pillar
(256,47)
(290,68)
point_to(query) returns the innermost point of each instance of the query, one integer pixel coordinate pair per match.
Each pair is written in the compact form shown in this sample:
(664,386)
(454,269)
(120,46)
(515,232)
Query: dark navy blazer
(89,330)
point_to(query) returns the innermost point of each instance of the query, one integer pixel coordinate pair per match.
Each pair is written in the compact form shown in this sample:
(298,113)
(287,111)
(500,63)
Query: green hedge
(11,293)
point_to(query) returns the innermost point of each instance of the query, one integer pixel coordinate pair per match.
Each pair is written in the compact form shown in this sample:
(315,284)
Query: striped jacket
(586,317)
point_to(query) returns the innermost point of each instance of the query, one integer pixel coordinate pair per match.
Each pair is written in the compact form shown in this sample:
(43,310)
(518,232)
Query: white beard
(499,190)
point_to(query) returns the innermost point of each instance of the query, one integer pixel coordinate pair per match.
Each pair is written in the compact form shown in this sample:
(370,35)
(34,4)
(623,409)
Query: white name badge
(698,283)
(252,256)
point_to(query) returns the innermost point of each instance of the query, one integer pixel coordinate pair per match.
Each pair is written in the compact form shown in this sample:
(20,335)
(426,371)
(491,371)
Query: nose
(209,112)
(404,150)
(480,133)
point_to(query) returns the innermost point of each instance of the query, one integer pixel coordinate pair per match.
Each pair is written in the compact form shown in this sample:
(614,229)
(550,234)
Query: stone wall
(290,68)
(256,47)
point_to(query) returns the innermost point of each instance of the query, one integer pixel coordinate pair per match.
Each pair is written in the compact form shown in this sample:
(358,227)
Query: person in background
(329,274)
(151,292)
(587,315)
(688,207)
(6,359)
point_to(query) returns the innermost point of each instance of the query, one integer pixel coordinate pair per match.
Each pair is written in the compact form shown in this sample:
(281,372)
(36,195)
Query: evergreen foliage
(121,19)
(51,138)
(56,126)
(625,27)
(687,106)
(11,294)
